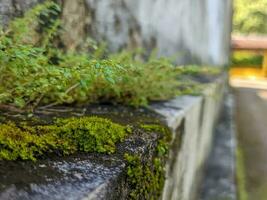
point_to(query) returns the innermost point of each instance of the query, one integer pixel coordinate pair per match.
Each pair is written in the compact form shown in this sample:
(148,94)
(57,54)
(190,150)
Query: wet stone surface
(90,176)
(73,177)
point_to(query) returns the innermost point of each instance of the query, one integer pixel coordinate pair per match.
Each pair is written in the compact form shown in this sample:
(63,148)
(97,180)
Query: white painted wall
(191,30)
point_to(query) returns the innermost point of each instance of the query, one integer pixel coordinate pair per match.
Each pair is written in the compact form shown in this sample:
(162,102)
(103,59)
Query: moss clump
(64,137)
(146,178)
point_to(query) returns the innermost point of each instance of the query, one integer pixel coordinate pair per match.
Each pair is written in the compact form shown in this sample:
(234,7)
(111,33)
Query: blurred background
(249,30)
(248,80)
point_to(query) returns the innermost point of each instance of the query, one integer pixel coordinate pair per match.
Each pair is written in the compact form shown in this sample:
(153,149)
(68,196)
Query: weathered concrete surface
(14,8)
(191,31)
(218,180)
(81,176)
(91,176)
(250,117)
(71,178)
(75,17)
(192,120)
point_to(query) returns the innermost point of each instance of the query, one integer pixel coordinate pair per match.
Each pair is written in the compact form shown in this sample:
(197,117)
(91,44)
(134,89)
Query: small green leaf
(19,102)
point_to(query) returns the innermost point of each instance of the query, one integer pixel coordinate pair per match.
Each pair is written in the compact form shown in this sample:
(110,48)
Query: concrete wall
(192,31)
(192,120)
(14,8)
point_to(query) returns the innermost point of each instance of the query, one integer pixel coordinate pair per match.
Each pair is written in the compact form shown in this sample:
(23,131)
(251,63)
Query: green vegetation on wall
(63,137)
(250,16)
(36,69)
(241,175)
(146,177)
(246,59)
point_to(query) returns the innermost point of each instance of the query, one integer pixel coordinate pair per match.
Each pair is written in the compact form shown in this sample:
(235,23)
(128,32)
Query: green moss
(146,178)
(64,137)
(241,175)
(165,137)
(89,134)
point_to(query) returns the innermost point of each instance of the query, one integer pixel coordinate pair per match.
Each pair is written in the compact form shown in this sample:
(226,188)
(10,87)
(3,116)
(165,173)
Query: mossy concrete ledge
(160,156)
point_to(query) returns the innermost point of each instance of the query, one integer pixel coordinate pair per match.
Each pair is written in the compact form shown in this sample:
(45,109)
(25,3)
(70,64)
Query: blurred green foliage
(36,69)
(250,16)
(246,59)
(241,175)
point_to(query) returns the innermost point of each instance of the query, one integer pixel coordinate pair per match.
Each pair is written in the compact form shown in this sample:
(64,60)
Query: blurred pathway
(251,127)
(219,176)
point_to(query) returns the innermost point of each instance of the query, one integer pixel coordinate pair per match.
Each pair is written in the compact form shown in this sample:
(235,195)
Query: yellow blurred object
(252,43)
(246,72)
(247,77)
(264,63)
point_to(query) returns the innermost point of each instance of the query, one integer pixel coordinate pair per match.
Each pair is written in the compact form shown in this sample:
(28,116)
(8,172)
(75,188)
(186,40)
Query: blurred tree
(250,16)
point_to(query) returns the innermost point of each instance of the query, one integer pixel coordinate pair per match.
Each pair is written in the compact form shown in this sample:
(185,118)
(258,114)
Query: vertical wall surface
(192,120)
(14,8)
(191,31)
